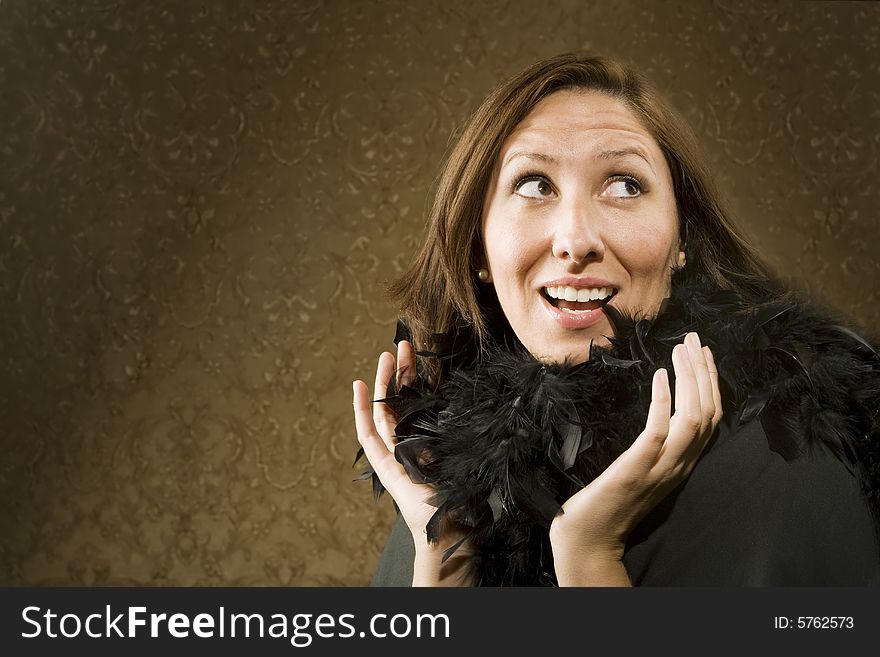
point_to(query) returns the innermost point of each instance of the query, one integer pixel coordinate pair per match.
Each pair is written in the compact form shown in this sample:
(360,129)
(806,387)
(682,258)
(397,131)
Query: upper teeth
(579,294)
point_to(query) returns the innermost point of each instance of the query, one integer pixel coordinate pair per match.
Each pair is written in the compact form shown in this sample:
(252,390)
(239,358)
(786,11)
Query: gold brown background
(200,204)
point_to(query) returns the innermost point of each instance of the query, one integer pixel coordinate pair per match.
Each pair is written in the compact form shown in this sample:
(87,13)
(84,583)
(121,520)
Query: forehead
(572,120)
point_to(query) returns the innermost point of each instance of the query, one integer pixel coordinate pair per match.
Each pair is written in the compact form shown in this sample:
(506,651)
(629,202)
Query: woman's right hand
(375,429)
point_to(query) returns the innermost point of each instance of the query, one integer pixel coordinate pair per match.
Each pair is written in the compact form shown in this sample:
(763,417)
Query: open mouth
(578,300)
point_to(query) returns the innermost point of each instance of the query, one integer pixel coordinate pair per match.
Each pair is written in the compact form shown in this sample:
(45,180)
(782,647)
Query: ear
(682,259)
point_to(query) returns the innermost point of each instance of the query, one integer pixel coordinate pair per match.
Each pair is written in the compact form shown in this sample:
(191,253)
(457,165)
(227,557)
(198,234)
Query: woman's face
(580,212)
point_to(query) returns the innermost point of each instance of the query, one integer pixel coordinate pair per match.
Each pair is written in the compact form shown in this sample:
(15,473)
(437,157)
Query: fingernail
(685,354)
(679,355)
(660,385)
(662,377)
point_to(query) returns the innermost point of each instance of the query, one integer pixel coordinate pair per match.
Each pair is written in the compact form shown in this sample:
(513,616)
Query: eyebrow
(529,155)
(602,155)
(624,152)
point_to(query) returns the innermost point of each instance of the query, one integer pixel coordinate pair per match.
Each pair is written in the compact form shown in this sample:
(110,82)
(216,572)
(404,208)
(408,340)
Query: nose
(577,233)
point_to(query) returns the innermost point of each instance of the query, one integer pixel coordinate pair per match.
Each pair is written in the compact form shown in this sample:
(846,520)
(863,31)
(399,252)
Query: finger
(660,408)
(375,448)
(644,452)
(406,363)
(716,391)
(650,441)
(390,472)
(704,383)
(383,417)
(685,423)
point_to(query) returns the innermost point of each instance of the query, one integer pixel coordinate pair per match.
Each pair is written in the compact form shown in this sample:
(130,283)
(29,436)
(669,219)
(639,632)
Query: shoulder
(748,516)
(812,383)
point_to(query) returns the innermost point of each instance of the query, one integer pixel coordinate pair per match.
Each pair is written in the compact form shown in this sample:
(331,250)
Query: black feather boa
(506,439)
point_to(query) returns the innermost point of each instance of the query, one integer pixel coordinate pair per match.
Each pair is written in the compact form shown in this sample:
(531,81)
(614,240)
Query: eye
(623,187)
(533,187)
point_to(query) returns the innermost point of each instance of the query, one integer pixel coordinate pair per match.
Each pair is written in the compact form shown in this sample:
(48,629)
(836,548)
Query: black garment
(744,517)
(788,493)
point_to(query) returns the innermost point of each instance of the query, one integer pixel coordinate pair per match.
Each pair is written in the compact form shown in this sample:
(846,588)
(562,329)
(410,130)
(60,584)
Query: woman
(577,259)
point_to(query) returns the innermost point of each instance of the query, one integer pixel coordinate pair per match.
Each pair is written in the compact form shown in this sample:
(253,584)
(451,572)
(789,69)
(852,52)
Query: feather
(495,504)
(571,445)
(506,440)
(859,339)
(643,327)
(754,405)
(794,359)
(770,313)
(432,529)
(586,441)
(358,456)
(401,332)
(366,474)
(780,437)
(611,361)
(378,488)
(449,552)
(409,454)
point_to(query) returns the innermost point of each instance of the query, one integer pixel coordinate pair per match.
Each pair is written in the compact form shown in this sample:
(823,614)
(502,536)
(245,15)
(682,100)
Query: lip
(573,321)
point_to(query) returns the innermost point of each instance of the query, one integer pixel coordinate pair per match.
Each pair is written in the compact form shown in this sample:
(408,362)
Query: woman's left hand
(589,535)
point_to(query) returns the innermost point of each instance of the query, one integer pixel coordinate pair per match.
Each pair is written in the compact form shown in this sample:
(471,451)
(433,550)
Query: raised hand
(589,536)
(375,429)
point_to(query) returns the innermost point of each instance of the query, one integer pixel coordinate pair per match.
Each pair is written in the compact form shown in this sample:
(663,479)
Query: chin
(574,356)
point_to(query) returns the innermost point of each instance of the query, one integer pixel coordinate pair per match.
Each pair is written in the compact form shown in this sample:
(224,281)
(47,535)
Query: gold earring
(483,275)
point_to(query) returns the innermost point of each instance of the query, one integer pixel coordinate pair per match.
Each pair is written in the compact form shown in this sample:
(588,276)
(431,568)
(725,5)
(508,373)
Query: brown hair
(440,291)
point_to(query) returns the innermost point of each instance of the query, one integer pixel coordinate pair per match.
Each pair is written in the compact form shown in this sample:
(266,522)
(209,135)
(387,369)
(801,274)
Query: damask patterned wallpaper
(200,204)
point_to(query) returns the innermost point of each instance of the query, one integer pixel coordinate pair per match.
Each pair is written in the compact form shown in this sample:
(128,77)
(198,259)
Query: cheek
(511,254)
(647,256)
